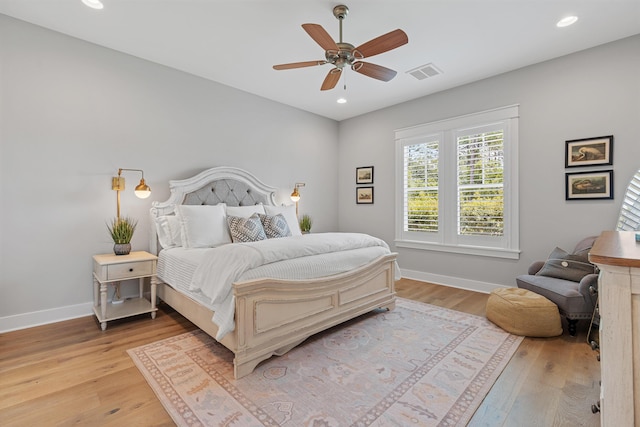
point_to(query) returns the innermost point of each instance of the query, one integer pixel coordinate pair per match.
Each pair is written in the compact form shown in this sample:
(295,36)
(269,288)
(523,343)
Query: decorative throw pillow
(289,213)
(563,265)
(275,226)
(246,229)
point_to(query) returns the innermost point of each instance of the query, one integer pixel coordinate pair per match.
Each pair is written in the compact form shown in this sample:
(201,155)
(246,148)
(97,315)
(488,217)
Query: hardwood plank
(72,373)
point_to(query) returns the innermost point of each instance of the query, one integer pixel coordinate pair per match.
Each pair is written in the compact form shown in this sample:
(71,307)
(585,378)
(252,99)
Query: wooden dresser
(617,255)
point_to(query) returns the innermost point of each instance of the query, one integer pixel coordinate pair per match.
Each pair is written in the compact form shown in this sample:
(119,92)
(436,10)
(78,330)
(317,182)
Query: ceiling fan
(343,54)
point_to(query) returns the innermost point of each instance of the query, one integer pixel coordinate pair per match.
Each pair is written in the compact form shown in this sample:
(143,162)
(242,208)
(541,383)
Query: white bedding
(207,274)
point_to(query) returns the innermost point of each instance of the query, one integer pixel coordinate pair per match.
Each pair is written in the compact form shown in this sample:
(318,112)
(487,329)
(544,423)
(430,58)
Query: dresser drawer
(129,269)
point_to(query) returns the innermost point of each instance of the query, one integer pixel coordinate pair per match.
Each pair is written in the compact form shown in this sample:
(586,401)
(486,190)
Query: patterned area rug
(416,365)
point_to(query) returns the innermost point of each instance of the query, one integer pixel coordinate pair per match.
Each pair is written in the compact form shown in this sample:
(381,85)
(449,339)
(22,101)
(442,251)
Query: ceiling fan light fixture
(93,4)
(341,54)
(566,21)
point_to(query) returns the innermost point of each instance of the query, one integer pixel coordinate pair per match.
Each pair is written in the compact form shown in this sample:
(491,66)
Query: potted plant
(305,224)
(121,230)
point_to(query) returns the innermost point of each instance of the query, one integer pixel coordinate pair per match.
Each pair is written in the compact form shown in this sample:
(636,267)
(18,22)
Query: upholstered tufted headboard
(233,186)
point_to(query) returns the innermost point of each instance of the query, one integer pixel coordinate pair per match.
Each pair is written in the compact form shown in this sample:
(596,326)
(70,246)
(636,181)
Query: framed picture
(364,175)
(589,185)
(364,195)
(589,152)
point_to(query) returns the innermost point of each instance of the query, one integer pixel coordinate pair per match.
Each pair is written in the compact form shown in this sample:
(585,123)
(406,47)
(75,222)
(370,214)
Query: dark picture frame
(589,185)
(364,195)
(364,175)
(589,152)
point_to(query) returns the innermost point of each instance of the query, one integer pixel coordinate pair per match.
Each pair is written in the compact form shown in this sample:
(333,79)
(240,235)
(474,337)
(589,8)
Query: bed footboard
(273,316)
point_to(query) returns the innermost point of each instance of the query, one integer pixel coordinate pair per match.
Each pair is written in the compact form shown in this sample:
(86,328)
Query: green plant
(305,223)
(121,229)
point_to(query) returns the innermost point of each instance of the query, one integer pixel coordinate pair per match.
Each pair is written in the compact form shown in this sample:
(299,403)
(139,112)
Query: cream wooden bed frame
(273,316)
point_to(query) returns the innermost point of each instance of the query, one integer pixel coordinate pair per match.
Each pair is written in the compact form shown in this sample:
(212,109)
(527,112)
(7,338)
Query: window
(457,185)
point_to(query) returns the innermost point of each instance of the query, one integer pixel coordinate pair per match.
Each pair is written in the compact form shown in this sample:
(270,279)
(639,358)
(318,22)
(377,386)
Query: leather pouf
(522,312)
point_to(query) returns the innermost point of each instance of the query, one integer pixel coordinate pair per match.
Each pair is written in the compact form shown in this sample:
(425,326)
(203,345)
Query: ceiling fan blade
(375,71)
(332,79)
(298,65)
(320,36)
(381,44)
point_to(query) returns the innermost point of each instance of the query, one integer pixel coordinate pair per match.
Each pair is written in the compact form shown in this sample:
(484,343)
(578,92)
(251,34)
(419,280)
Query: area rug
(417,365)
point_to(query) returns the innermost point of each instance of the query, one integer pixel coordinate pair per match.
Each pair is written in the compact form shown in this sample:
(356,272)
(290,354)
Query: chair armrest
(589,287)
(535,267)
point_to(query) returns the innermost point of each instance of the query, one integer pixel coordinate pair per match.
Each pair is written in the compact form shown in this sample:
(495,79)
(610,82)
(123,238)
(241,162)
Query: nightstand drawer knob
(131,269)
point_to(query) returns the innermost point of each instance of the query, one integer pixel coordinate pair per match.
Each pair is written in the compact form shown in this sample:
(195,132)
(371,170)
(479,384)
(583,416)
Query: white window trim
(444,241)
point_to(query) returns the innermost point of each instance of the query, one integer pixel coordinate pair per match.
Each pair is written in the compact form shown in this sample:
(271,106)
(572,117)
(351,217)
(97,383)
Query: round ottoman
(522,312)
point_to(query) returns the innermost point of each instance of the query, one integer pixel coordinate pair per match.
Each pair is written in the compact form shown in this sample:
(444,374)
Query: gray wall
(590,93)
(72,113)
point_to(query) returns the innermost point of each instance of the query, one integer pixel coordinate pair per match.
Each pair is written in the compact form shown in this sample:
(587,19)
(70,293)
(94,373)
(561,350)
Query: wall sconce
(295,196)
(142,190)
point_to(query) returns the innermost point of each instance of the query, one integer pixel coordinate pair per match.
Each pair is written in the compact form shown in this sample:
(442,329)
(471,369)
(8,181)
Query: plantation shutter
(480,189)
(457,185)
(421,187)
(630,211)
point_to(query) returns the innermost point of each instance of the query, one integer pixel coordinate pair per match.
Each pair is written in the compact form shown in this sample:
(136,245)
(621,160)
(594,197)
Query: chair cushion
(564,293)
(522,312)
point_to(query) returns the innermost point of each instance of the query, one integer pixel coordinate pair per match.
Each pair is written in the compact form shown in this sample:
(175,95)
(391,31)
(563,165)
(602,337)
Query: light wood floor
(72,373)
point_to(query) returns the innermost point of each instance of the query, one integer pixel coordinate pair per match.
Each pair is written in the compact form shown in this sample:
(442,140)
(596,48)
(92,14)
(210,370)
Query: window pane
(421,187)
(480,184)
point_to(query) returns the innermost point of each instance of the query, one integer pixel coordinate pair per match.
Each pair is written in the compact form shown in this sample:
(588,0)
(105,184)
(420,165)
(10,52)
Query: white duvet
(221,267)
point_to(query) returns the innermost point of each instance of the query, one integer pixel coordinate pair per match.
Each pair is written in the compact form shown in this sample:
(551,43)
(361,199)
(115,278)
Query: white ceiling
(236,42)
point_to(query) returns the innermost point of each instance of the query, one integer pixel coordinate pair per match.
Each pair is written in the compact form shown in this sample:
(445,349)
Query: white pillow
(168,228)
(203,226)
(245,211)
(289,213)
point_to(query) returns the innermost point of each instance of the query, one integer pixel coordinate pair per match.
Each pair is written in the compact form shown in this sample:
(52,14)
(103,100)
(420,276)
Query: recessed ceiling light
(341,101)
(565,22)
(94,4)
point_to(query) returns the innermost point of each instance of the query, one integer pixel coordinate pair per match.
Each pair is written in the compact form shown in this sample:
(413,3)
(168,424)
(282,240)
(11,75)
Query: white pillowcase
(168,229)
(203,226)
(289,213)
(245,211)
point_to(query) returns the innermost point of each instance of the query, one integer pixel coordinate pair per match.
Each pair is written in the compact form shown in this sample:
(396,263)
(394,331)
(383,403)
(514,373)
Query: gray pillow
(563,265)
(275,226)
(246,229)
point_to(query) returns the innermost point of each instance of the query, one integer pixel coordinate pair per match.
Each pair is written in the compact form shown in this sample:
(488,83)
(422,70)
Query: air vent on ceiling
(424,71)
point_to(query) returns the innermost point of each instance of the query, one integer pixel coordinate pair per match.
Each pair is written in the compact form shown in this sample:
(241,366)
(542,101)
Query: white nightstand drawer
(129,269)
(110,267)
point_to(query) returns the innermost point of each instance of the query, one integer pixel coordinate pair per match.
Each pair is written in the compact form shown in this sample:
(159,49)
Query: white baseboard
(44,317)
(454,282)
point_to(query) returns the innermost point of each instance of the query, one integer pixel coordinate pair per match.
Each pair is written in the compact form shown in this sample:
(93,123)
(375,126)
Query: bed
(270,313)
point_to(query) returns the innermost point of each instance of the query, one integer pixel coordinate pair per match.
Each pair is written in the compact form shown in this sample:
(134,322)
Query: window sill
(460,249)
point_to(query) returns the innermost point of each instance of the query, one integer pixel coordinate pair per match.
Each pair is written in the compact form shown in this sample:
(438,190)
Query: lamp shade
(142,190)
(295,196)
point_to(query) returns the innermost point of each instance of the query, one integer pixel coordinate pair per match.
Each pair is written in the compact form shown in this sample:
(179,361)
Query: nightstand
(111,269)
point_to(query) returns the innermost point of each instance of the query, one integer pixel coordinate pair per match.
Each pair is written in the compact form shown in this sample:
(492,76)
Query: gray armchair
(568,280)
